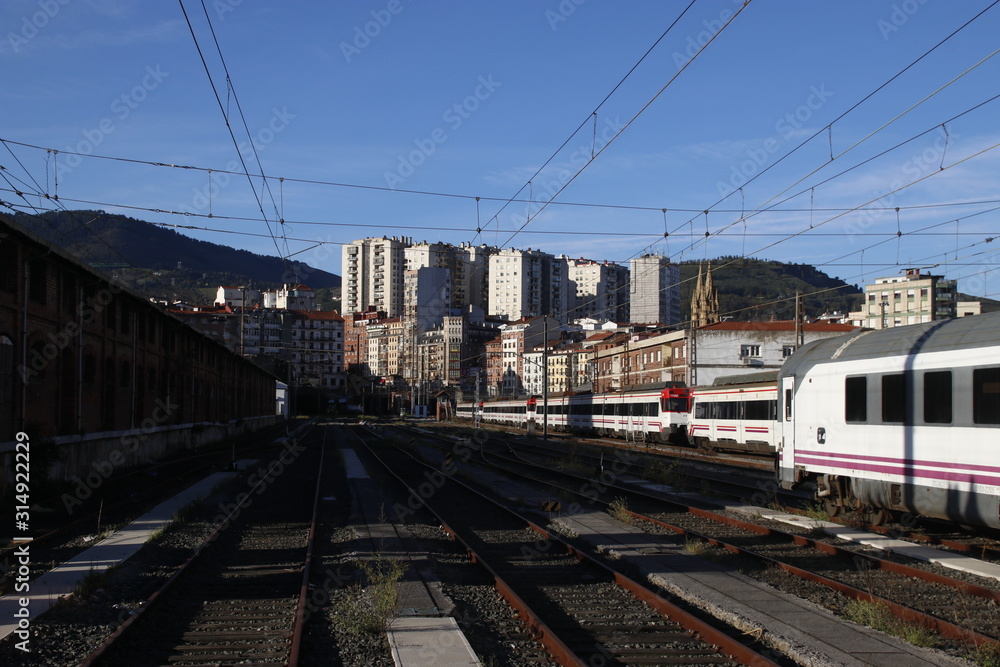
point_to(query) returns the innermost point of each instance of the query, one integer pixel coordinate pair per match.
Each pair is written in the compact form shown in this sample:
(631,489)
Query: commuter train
(902,419)
(905,419)
(656,412)
(736,413)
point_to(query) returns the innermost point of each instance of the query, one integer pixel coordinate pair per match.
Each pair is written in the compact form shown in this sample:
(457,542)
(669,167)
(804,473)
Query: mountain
(161,261)
(756,289)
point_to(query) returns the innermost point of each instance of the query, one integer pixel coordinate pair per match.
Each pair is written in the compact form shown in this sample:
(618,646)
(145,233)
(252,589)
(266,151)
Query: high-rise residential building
(654,291)
(426,296)
(373,274)
(470,276)
(601,290)
(528,283)
(466,265)
(908,299)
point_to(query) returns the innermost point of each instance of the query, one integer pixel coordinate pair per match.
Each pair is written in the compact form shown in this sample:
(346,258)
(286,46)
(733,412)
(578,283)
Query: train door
(786,427)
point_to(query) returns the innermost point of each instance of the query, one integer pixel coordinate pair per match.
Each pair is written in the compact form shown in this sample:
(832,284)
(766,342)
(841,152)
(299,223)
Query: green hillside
(755,289)
(163,262)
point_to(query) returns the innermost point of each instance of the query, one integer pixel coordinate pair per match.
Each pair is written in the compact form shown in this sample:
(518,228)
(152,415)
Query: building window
(69,300)
(8,265)
(6,370)
(38,280)
(749,350)
(89,368)
(787,350)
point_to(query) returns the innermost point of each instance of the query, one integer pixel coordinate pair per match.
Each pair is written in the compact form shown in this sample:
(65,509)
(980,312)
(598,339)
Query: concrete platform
(63,580)
(422,633)
(429,641)
(807,632)
(379,536)
(949,559)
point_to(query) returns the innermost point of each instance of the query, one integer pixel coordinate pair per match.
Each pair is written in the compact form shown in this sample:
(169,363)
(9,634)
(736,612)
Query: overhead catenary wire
(681,234)
(229,127)
(455,195)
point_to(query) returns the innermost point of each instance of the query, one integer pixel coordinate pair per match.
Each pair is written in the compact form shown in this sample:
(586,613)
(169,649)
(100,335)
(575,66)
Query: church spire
(704,300)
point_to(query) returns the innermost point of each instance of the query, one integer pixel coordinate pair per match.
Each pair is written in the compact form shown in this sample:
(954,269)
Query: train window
(986,395)
(856,399)
(760,410)
(937,397)
(788,405)
(675,404)
(894,398)
(702,410)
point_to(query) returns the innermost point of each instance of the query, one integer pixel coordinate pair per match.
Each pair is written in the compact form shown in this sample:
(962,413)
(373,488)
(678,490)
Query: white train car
(736,413)
(659,413)
(901,419)
(512,412)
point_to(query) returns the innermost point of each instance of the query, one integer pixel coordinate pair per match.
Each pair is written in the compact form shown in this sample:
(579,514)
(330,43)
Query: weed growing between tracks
(987,655)
(878,615)
(816,512)
(618,508)
(369,607)
(669,475)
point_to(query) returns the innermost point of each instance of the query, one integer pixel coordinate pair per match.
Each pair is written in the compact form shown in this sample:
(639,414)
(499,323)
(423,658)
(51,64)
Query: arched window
(6,370)
(89,368)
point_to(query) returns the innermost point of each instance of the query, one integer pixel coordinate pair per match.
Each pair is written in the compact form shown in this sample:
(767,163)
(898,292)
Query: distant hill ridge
(749,289)
(758,289)
(148,246)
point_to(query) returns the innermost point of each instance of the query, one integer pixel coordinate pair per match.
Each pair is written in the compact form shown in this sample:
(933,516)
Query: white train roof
(942,335)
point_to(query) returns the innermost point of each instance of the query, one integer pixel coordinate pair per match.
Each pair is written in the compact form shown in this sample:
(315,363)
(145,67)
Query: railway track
(240,598)
(753,484)
(68,522)
(583,611)
(960,609)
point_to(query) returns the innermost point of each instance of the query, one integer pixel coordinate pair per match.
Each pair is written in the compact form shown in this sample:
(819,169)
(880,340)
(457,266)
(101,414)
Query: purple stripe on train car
(896,460)
(902,471)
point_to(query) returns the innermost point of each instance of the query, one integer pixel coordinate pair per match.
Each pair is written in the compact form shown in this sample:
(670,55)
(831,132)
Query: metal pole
(545,377)
(243,310)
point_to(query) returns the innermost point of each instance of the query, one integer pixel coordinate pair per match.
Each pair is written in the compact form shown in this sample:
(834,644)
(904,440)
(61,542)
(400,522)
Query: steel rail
(904,612)
(181,571)
(705,631)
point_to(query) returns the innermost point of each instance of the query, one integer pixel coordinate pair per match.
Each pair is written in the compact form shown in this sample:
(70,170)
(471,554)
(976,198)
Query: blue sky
(470,99)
